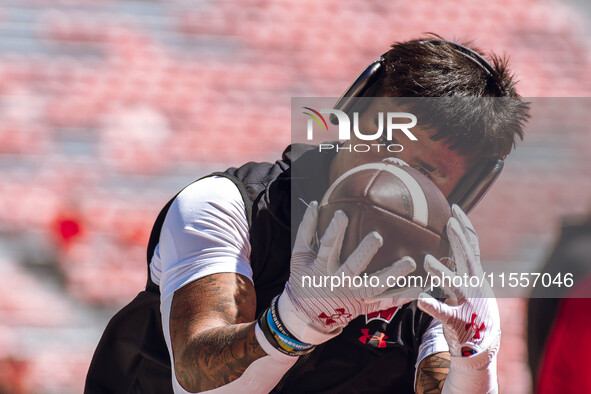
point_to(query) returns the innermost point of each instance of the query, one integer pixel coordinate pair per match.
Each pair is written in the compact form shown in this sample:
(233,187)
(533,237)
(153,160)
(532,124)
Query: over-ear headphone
(475,184)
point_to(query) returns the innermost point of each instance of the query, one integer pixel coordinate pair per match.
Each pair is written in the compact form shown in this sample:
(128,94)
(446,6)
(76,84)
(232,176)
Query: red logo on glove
(366,337)
(332,318)
(475,327)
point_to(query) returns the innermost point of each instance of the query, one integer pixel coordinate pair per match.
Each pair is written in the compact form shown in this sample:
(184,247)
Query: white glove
(316,314)
(470,318)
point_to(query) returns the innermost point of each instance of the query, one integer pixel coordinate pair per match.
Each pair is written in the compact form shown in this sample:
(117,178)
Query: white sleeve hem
(205,232)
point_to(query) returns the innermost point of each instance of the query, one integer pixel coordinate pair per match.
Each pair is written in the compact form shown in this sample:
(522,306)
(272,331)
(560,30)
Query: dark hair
(476,111)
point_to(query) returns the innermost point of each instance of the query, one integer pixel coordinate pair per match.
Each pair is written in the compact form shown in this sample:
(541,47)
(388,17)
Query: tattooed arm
(432,372)
(212,331)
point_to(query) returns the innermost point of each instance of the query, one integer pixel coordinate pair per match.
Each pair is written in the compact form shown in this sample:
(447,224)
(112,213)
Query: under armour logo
(332,318)
(475,327)
(368,338)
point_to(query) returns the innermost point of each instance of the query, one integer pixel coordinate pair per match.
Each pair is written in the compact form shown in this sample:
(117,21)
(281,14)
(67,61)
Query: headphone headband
(471,54)
(366,79)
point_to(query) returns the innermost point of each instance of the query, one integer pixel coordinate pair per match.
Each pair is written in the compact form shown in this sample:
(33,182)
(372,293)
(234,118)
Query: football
(403,205)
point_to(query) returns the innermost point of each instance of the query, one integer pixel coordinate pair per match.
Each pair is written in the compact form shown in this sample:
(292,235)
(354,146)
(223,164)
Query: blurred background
(107,108)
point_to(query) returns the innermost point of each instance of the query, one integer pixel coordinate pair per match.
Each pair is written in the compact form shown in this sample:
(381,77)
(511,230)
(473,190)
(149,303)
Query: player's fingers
(445,277)
(358,261)
(467,228)
(463,245)
(402,267)
(381,303)
(435,308)
(401,295)
(386,277)
(461,250)
(334,261)
(333,237)
(307,229)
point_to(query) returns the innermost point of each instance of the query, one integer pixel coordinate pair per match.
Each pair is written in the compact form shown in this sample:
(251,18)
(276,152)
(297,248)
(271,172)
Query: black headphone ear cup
(475,184)
(362,85)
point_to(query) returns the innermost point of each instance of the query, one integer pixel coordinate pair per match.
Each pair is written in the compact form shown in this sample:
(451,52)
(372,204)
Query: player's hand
(470,316)
(315,314)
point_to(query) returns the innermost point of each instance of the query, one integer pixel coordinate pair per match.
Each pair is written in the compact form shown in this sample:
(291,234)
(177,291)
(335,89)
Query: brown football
(404,206)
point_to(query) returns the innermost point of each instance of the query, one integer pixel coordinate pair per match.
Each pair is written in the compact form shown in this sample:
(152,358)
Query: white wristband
(474,374)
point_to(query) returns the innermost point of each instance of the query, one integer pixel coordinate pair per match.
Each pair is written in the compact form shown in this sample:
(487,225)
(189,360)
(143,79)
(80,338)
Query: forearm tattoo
(218,353)
(432,373)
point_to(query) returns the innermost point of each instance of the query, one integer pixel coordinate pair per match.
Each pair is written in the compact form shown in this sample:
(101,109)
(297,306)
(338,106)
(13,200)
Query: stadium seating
(108,108)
